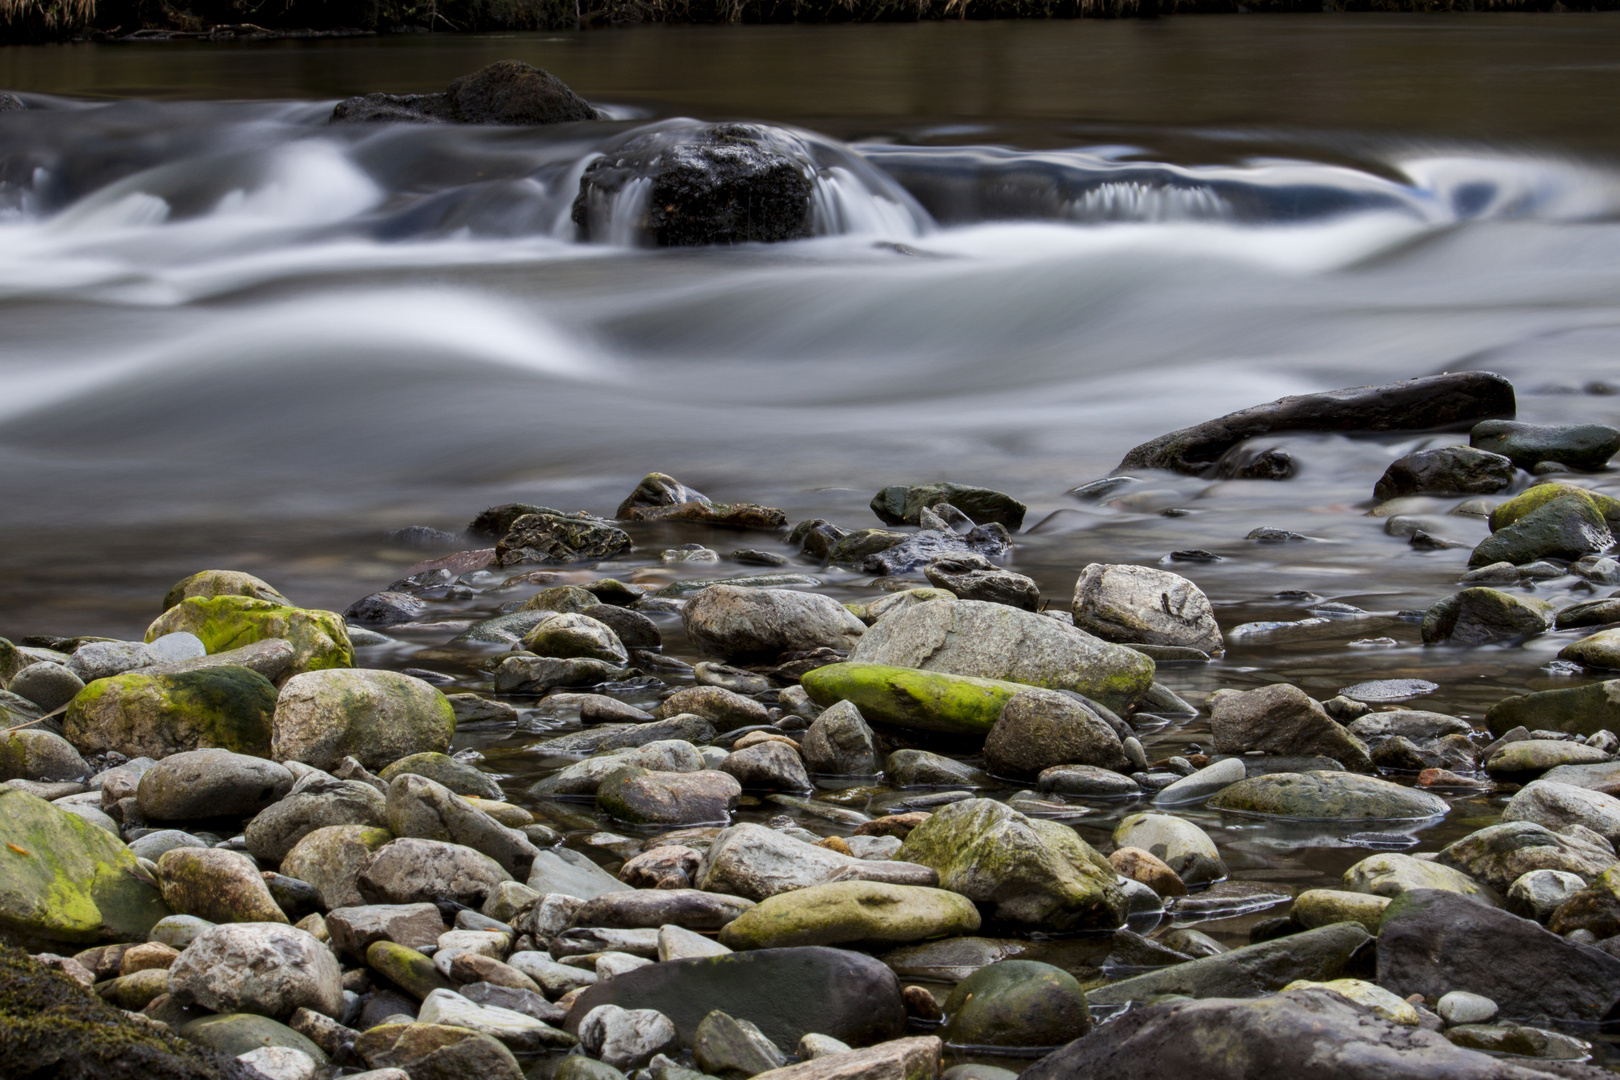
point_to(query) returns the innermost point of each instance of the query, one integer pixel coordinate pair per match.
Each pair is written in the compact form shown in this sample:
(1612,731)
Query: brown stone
(1149,869)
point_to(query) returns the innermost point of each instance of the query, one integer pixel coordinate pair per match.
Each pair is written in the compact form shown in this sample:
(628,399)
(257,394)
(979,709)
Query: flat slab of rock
(1318,955)
(1328,796)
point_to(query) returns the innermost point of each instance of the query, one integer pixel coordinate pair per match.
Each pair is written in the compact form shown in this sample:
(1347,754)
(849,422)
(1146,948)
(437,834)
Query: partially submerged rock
(1144,605)
(505,92)
(903,504)
(1455,400)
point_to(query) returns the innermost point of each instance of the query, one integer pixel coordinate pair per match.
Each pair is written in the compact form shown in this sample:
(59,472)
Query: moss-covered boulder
(142,715)
(925,700)
(1327,796)
(63,879)
(32,754)
(320,639)
(1016,1003)
(1568,527)
(50,1026)
(378,717)
(1479,616)
(1022,871)
(1542,494)
(996,641)
(849,912)
(207,584)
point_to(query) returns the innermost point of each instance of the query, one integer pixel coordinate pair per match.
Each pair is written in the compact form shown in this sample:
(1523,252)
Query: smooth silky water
(231,335)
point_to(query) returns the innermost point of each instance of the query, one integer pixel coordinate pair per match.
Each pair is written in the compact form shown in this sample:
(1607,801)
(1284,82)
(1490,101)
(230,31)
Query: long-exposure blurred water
(232,335)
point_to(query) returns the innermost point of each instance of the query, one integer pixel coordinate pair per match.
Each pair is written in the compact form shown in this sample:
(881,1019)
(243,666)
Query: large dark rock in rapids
(505,92)
(1454,400)
(719,184)
(1306,1032)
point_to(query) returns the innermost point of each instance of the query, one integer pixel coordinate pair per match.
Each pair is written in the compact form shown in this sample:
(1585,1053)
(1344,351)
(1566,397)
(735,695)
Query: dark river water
(231,335)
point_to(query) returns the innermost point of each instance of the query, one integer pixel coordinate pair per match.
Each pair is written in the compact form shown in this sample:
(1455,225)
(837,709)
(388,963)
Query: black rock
(1446,470)
(505,92)
(1433,942)
(716,184)
(559,538)
(787,993)
(1242,463)
(384,609)
(973,577)
(496,522)
(1458,399)
(1305,1033)
(1587,447)
(903,504)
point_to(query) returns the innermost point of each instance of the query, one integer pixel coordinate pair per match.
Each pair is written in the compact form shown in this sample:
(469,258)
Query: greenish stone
(733,1049)
(1531,757)
(208,584)
(1327,796)
(1478,616)
(63,879)
(919,768)
(904,503)
(1587,447)
(139,715)
(1392,875)
(1016,1003)
(405,968)
(925,700)
(443,769)
(320,639)
(135,992)
(1324,907)
(1542,494)
(579,1067)
(234,1034)
(863,542)
(1601,650)
(1579,710)
(177,931)
(1023,871)
(1318,955)
(871,612)
(1564,528)
(562,598)
(1520,1041)
(846,912)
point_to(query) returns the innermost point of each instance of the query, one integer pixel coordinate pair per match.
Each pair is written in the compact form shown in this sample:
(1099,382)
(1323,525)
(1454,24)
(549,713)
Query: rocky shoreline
(771,833)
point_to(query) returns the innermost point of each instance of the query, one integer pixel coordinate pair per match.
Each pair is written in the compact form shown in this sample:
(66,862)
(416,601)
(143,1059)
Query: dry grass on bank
(51,13)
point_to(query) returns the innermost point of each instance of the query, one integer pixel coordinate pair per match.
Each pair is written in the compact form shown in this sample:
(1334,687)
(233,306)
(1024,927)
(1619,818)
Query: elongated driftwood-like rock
(1454,400)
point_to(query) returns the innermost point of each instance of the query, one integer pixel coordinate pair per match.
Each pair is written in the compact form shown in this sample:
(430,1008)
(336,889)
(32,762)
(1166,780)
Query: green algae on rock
(63,879)
(995,641)
(320,639)
(925,700)
(850,912)
(50,1026)
(378,717)
(208,584)
(1542,494)
(1016,1003)
(1023,870)
(139,714)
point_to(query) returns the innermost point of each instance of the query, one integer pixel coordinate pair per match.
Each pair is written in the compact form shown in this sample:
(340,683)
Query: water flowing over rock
(686,185)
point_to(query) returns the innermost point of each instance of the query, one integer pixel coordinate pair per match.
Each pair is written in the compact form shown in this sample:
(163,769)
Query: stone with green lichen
(994,641)
(144,715)
(134,992)
(904,503)
(851,912)
(31,754)
(1531,757)
(208,584)
(320,639)
(561,599)
(1391,874)
(1016,1003)
(63,879)
(444,769)
(1324,907)
(405,968)
(377,717)
(216,884)
(1020,870)
(1524,502)
(1480,615)
(238,1033)
(926,700)
(1579,710)
(1327,796)
(1569,527)
(1318,955)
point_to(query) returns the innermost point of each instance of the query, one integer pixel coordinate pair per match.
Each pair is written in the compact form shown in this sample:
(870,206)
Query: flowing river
(234,335)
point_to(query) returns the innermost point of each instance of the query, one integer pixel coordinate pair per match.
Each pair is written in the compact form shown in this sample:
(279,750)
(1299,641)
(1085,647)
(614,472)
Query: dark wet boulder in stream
(505,92)
(1454,400)
(692,186)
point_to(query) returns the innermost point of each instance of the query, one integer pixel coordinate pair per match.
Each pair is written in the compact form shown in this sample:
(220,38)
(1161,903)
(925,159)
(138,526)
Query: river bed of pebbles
(562,804)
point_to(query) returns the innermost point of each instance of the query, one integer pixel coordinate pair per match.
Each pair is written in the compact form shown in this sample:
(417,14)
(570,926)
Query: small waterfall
(1134,200)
